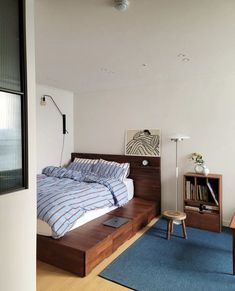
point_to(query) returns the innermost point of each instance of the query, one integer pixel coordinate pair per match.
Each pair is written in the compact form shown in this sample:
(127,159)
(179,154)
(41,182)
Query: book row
(200,192)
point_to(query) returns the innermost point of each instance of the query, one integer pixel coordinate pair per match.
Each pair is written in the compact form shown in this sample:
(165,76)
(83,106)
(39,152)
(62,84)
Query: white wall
(176,72)
(49,127)
(202,108)
(167,64)
(18,210)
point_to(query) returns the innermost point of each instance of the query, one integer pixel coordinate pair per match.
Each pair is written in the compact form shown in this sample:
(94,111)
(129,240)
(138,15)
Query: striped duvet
(66,195)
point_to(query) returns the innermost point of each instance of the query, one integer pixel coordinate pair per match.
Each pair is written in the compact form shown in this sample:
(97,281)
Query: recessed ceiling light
(121,5)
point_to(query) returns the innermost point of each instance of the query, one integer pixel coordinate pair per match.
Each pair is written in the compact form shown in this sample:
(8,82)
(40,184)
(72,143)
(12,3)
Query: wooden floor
(50,278)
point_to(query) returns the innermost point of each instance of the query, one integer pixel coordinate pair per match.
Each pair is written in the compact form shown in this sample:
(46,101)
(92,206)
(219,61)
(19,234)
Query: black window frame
(24,98)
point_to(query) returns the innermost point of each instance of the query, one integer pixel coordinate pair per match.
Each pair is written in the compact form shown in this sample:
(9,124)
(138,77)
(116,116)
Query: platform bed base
(80,250)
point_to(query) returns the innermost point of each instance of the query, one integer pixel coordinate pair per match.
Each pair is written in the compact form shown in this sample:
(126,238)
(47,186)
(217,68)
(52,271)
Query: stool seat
(173,215)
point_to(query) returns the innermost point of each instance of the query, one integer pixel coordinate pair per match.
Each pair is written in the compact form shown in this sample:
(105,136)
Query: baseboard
(226,223)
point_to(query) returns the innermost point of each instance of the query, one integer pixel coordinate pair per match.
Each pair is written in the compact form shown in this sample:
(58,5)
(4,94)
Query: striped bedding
(66,195)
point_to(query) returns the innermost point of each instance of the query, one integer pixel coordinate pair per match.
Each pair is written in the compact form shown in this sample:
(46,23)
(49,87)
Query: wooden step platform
(80,250)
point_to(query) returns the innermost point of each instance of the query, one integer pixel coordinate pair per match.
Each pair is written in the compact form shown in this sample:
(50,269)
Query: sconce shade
(43,101)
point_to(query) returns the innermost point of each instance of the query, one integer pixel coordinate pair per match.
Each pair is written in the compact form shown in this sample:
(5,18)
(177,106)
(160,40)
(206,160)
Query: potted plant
(199,164)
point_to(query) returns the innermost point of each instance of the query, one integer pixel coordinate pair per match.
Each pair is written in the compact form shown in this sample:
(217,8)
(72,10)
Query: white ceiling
(88,45)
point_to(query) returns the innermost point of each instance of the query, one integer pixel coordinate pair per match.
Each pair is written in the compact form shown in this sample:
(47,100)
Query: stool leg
(233,252)
(172,223)
(168,229)
(184,229)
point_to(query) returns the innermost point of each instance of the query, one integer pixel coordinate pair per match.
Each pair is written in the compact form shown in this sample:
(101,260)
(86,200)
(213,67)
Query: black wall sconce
(43,103)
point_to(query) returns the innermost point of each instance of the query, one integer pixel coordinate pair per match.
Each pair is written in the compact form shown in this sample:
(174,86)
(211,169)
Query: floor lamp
(176,139)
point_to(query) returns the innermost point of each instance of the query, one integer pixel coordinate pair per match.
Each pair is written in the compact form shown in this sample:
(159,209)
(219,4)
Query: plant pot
(206,171)
(201,169)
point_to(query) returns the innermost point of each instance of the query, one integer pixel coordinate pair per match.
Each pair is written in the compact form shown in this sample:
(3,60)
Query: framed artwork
(143,142)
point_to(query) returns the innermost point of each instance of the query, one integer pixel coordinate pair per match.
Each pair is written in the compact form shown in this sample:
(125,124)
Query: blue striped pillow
(74,175)
(82,165)
(52,171)
(114,170)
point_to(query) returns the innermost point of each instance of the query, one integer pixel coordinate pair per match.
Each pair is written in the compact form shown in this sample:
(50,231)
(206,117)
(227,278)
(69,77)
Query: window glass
(9,45)
(10,142)
(13,99)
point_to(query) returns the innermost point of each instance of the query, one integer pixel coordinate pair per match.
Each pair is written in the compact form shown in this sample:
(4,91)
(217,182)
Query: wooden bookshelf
(203,201)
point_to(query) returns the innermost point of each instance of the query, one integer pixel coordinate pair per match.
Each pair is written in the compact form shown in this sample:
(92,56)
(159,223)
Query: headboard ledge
(135,161)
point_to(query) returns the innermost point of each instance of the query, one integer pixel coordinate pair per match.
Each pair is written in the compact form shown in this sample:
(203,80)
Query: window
(13,111)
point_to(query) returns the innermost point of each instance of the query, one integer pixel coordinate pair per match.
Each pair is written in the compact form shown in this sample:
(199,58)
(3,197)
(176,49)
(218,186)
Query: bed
(83,247)
(43,228)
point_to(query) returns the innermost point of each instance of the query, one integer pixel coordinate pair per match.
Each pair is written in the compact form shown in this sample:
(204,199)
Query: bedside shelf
(203,201)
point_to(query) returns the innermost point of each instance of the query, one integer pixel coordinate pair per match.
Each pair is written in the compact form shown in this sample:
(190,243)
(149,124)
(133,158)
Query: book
(197,193)
(194,208)
(211,207)
(188,190)
(200,192)
(204,193)
(212,193)
(193,196)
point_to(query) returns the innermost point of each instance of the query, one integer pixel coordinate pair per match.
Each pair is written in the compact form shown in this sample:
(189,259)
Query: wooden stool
(172,215)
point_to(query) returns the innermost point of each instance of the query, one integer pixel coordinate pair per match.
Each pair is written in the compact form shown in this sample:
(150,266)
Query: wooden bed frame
(83,248)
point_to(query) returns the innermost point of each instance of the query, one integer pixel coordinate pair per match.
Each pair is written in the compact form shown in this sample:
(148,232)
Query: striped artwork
(143,142)
(64,199)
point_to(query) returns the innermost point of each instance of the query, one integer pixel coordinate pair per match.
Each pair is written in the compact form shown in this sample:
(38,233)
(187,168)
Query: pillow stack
(101,168)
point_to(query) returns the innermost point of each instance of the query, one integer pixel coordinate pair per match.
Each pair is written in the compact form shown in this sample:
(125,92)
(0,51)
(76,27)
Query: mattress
(44,229)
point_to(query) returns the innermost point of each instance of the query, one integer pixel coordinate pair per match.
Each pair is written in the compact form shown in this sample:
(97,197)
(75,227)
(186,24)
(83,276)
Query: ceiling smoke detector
(121,5)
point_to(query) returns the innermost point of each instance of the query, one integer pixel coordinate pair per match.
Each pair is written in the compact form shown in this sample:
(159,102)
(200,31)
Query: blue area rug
(202,262)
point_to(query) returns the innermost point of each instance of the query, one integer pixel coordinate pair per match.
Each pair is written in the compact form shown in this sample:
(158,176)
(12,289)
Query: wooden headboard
(147,179)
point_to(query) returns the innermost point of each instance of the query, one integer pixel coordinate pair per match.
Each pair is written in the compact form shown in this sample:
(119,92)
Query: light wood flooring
(50,278)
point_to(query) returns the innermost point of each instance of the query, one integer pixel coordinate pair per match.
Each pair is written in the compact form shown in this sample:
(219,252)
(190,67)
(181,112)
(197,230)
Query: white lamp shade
(179,137)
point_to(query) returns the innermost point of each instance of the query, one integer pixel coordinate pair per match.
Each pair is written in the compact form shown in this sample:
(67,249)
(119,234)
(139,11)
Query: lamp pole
(176,173)
(176,139)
